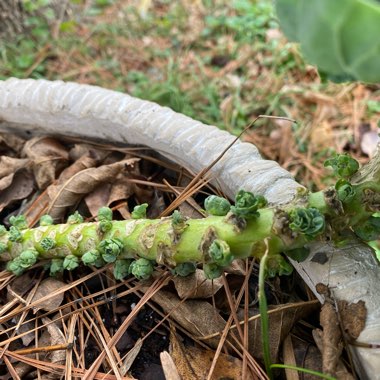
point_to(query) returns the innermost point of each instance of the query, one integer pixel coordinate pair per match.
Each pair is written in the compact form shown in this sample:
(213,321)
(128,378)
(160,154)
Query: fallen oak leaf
(68,194)
(193,362)
(18,186)
(48,157)
(10,165)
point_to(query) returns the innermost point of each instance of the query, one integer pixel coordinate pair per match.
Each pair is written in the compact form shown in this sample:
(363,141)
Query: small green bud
(47,243)
(105,226)
(121,268)
(345,191)
(247,205)
(56,266)
(277,265)
(369,230)
(178,222)
(343,165)
(46,220)
(212,271)
(3,247)
(70,262)
(15,266)
(218,206)
(93,257)
(307,221)
(142,268)
(28,258)
(105,214)
(220,253)
(110,249)
(75,218)
(298,254)
(3,230)
(19,222)
(184,269)
(14,234)
(139,212)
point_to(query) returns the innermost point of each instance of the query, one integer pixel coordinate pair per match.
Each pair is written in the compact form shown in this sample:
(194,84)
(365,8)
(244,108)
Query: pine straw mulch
(84,324)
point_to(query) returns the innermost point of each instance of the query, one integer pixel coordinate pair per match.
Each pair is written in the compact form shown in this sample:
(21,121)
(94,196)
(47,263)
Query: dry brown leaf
(83,163)
(196,285)
(281,320)
(48,286)
(12,141)
(68,194)
(120,192)
(289,358)
(29,337)
(20,285)
(193,363)
(353,317)
(169,367)
(49,158)
(198,317)
(130,357)
(98,198)
(331,339)
(38,207)
(306,356)
(9,165)
(80,150)
(52,336)
(341,372)
(15,187)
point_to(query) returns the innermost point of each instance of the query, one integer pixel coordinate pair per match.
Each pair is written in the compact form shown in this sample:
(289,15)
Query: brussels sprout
(70,262)
(56,266)
(184,269)
(3,230)
(220,253)
(110,249)
(3,247)
(178,222)
(277,266)
(121,268)
(105,213)
(345,191)
(75,218)
(105,219)
(47,243)
(247,204)
(46,220)
(343,165)
(14,234)
(93,257)
(139,211)
(212,271)
(307,221)
(142,268)
(369,230)
(15,266)
(19,222)
(28,258)
(218,206)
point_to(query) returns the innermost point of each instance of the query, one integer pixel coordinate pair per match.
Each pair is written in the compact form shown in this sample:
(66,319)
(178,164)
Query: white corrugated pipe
(59,108)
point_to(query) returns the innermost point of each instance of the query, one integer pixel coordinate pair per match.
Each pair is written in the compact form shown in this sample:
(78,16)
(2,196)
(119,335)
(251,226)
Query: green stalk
(228,233)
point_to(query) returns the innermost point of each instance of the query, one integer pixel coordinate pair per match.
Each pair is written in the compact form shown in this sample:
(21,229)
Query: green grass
(227,29)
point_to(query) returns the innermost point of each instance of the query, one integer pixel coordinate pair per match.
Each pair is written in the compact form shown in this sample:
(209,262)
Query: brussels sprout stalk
(227,233)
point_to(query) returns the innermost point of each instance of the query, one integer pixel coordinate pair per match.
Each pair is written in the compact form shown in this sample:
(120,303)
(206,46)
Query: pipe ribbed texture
(94,113)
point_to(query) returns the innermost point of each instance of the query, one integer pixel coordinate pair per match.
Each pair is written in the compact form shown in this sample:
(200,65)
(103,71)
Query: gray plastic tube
(91,112)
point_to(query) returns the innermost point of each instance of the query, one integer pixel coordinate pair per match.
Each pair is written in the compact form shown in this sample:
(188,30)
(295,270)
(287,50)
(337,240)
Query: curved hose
(82,110)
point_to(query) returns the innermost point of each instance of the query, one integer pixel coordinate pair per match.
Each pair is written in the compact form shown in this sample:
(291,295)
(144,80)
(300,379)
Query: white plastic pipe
(91,112)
